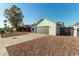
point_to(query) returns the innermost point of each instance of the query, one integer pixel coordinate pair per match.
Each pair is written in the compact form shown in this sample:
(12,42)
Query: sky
(54,12)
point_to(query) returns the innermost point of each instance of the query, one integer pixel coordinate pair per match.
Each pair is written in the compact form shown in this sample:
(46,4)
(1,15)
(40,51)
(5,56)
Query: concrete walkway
(3,51)
(5,42)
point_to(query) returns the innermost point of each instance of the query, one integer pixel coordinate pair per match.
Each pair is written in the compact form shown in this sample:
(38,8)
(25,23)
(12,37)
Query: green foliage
(14,15)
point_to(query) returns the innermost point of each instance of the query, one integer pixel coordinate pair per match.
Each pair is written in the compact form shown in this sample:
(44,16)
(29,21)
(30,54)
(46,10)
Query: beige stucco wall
(33,27)
(75,30)
(46,23)
(72,32)
(57,30)
(52,30)
(52,27)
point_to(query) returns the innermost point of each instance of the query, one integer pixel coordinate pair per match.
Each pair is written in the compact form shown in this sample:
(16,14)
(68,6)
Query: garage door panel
(43,30)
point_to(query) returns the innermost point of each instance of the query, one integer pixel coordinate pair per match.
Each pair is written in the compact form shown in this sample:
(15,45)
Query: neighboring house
(76,29)
(67,31)
(25,28)
(46,27)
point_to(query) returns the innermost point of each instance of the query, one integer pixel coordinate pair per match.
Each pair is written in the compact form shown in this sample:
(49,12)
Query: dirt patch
(10,34)
(47,46)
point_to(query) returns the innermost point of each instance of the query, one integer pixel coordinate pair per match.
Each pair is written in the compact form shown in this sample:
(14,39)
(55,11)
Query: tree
(5,23)
(15,16)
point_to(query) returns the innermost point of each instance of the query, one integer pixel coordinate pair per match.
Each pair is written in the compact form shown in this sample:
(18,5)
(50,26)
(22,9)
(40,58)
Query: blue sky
(33,12)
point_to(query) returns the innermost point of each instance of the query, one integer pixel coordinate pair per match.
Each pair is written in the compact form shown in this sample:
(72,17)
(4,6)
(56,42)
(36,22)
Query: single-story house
(51,28)
(47,27)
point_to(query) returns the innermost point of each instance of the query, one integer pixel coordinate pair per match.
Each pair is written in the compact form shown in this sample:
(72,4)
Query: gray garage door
(43,29)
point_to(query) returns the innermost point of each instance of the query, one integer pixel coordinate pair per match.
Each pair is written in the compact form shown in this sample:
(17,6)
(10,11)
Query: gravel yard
(47,46)
(10,34)
(16,38)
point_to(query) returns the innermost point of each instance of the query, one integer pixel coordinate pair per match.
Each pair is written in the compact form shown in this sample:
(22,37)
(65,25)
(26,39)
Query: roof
(60,23)
(76,23)
(40,21)
(34,24)
(69,27)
